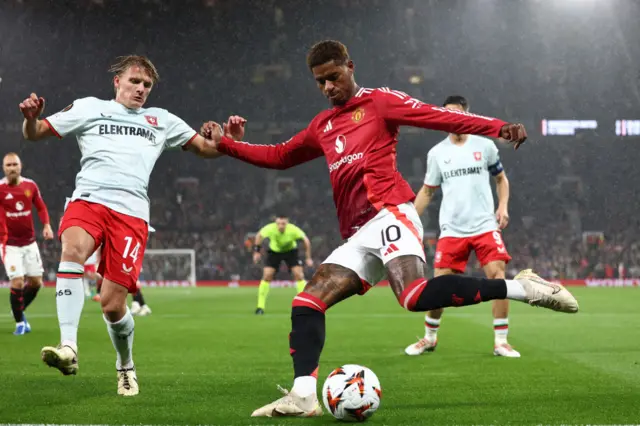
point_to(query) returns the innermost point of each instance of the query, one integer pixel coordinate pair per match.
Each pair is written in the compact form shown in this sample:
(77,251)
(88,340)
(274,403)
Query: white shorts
(393,232)
(22,261)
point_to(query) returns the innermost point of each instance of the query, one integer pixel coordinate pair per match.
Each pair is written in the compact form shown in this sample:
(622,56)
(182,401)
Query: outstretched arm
(202,147)
(297,150)
(400,109)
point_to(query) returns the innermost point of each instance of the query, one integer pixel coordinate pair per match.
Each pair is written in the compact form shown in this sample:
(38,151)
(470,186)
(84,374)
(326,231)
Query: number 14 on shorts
(131,253)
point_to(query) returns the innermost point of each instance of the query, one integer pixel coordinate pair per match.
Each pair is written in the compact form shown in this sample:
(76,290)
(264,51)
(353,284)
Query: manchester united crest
(357,115)
(27,193)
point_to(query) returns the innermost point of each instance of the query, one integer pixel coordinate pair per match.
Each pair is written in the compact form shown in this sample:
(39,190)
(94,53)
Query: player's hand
(211,131)
(502,216)
(256,257)
(234,127)
(514,133)
(309,262)
(47,232)
(32,107)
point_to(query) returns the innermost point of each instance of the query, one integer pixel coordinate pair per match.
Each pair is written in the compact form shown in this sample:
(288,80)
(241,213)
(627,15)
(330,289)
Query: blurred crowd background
(573,197)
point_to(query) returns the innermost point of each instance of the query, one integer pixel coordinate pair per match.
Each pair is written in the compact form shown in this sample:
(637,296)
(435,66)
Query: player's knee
(17,282)
(113,308)
(113,299)
(34,282)
(267,276)
(409,297)
(495,270)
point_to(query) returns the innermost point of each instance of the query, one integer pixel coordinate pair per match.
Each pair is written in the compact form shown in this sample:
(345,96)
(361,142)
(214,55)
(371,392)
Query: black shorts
(289,257)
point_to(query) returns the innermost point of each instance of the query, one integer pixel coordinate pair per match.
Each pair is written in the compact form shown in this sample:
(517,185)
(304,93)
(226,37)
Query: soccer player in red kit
(358,138)
(18,247)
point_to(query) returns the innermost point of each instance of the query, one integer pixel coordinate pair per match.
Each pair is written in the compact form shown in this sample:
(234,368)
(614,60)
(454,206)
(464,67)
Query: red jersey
(358,140)
(16,203)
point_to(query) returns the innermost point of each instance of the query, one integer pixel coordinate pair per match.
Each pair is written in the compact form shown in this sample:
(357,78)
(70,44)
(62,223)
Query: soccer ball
(352,393)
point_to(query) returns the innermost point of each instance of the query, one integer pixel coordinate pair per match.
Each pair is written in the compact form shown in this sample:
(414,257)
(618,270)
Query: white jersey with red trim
(463,172)
(119,148)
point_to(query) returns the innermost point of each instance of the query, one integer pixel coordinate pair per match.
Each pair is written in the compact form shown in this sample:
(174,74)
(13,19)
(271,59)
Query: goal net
(169,268)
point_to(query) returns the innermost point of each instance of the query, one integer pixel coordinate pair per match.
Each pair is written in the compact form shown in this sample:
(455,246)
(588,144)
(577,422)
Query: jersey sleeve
(433,177)
(179,133)
(41,207)
(493,159)
(266,231)
(298,233)
(400,109)
(72,120)
(299,149)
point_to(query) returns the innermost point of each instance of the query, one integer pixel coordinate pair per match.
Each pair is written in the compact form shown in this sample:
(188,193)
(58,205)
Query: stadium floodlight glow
(566,127)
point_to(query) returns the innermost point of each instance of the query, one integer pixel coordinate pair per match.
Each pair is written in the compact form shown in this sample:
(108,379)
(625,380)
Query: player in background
(461,165)
(91,277)
(120,141)
(18,247)
(283,247)
(138,306)
(358,137)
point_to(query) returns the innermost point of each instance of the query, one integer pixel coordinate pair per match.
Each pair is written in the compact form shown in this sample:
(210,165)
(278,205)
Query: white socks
(69,301)
(515,291)
(304,386)
(431,327)
(121,333)
(500,330)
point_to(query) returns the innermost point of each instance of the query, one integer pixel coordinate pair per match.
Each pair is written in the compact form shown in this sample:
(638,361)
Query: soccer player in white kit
(120,142)
(461,165)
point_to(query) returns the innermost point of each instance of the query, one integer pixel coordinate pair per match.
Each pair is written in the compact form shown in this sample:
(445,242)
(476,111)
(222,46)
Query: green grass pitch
(203,357)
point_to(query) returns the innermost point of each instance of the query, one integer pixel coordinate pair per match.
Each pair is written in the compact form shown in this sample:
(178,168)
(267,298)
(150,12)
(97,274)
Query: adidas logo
(391,249)
(328,127)
(9,197)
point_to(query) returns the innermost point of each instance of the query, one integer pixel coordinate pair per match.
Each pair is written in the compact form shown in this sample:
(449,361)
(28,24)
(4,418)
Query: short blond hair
(123,63)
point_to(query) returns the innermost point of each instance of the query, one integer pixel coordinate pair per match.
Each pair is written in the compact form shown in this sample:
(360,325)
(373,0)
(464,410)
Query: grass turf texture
(203,357)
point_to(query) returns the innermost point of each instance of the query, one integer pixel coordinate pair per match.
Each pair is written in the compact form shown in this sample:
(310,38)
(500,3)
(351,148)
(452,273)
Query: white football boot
(421,346)
(291,405)
(545,294)
(64,358)
(128,382)
(144,311)
(505,350)
(135,308)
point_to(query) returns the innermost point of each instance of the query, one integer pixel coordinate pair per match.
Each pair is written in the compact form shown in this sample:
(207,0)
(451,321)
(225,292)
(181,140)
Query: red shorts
(89,269)
(453,253)
(123,239)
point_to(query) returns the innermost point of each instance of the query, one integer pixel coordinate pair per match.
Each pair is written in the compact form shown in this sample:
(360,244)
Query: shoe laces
(125,378)
(422,342)
(284,391)
(506,346)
